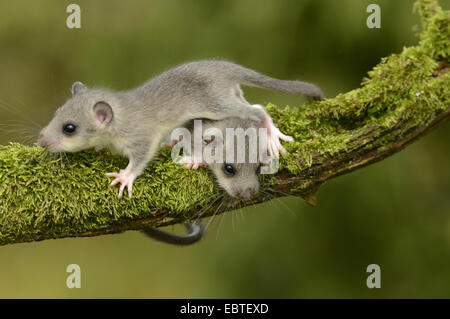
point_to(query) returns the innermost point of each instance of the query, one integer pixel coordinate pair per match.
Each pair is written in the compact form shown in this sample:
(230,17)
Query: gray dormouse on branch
(134,123)
(402,98)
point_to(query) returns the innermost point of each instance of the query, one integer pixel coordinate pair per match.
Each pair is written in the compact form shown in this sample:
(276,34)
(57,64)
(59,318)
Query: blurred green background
(395,213)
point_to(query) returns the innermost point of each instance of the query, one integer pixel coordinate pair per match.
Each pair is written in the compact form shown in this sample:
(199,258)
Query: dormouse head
(239,176)
(239,180)
(82,122)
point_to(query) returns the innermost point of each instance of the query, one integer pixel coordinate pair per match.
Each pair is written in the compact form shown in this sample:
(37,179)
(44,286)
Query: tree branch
(404,97)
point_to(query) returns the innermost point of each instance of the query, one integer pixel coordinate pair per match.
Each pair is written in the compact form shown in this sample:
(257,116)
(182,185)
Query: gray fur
(245,183)
(143,116)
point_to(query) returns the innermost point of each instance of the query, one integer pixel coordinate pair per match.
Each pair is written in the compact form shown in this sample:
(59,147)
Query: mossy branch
(403,98)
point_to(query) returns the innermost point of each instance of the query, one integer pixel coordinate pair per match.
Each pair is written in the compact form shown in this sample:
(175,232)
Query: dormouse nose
(247,193)
(43,141)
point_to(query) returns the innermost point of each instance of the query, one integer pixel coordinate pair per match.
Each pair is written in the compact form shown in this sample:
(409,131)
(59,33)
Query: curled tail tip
(317,95)
(195,233)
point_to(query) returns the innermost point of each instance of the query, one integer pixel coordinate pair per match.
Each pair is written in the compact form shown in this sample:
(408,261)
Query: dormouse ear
(103,113)
(78,87)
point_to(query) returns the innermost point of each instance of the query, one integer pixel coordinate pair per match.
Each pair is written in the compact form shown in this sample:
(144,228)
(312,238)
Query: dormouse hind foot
(274,136)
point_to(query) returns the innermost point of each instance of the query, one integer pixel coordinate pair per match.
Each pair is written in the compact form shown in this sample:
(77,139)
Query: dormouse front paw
(191,162)
(126,179)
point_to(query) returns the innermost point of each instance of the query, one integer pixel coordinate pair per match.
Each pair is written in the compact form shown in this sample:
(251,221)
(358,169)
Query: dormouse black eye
(69,128)
(228,169)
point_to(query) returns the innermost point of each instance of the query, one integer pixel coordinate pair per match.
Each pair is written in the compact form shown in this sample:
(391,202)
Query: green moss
(43,197)
(436,29)
(72,195)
